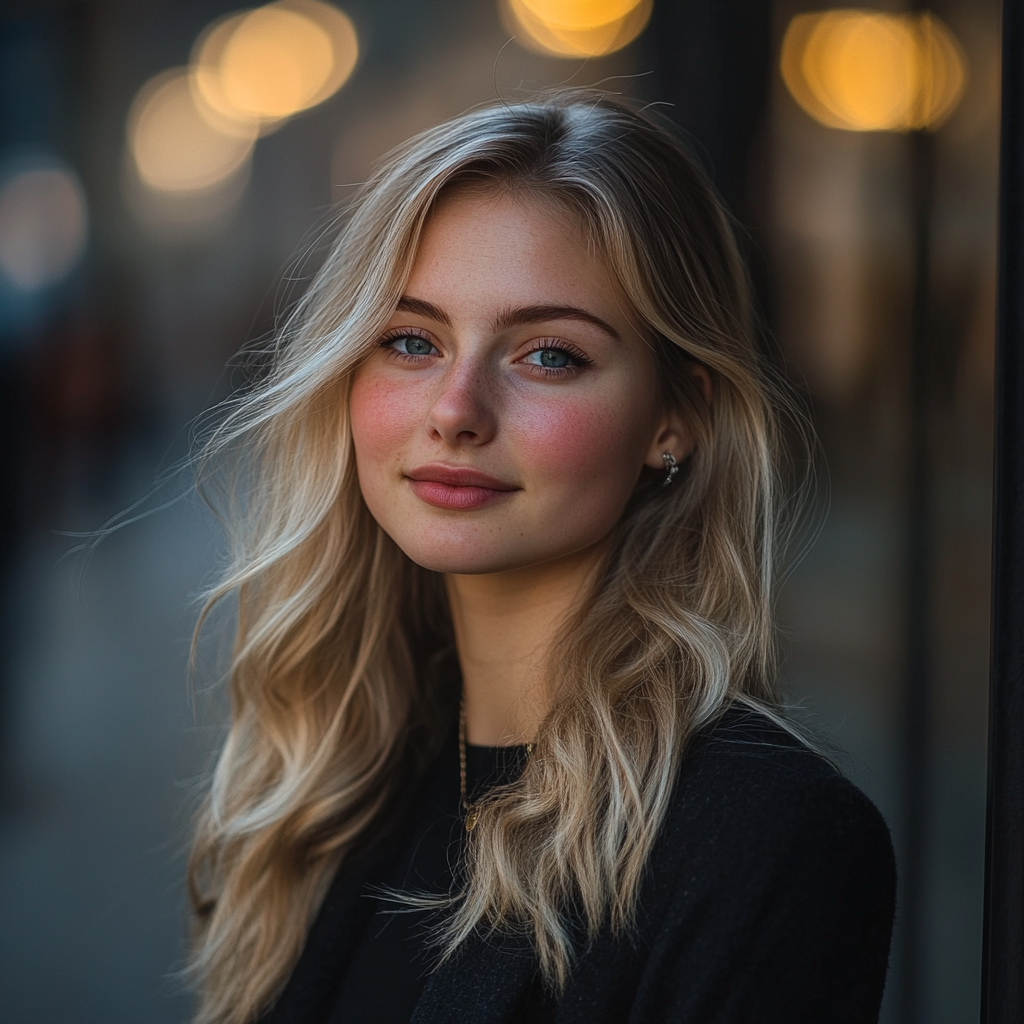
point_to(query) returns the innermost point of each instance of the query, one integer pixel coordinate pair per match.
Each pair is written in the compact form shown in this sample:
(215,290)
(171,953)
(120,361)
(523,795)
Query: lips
(457,487)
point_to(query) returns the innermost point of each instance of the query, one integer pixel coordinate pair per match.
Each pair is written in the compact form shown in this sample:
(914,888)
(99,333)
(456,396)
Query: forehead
(510,247)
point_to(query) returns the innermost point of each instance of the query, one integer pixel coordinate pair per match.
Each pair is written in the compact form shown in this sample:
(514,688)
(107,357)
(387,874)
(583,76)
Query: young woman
(505,739)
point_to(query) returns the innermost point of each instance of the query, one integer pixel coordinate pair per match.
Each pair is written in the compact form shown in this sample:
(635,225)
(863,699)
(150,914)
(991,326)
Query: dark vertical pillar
(37,96)
(1003,956)
(711,63)
(916,699)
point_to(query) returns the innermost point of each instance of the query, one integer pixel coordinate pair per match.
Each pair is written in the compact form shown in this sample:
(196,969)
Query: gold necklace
(472,811)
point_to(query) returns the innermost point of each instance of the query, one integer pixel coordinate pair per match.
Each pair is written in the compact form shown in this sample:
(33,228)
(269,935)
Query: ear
(672,434)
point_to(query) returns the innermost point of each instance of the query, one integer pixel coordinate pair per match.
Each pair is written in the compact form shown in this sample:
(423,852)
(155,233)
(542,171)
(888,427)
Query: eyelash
(405,332)
(580,358)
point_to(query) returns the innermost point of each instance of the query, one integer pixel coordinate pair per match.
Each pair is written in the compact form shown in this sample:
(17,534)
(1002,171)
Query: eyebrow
(518,315)
(407,304)
(514,316)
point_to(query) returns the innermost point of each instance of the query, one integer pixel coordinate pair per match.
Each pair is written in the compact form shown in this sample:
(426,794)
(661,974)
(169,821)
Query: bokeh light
(579,15)
(43,225)
(872,71)
(179,147)
(576,28)
(264,65)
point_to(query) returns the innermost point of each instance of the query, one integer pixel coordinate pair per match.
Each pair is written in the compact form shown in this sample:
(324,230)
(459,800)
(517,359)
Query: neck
(504,626)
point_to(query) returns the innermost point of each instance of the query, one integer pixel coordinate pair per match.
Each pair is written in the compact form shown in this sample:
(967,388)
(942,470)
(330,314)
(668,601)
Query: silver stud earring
(671,467)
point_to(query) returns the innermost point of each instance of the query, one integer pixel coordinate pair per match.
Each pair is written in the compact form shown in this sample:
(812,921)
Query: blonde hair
(331,703)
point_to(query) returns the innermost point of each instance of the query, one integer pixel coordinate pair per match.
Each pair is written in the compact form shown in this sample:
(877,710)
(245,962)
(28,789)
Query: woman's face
(505,415)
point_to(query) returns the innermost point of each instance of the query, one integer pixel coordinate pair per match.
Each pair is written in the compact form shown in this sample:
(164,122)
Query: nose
(463,409)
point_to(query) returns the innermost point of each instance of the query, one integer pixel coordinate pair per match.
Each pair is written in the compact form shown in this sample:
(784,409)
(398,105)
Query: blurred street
(102,752)
(149,230)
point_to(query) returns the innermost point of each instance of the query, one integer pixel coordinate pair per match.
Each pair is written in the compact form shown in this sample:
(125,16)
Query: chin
(462,556)
(457,561)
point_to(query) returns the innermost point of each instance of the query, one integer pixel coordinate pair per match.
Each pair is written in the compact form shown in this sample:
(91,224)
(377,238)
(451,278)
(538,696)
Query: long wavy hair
(332,704)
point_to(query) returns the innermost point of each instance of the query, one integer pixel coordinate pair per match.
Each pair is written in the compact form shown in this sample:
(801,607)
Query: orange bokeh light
(264,65)
(576,28)
(176,145)
(872,71)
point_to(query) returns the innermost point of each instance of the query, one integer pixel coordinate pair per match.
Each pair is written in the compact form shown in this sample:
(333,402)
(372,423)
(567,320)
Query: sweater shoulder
(753,785)
(751,754)
(772,882)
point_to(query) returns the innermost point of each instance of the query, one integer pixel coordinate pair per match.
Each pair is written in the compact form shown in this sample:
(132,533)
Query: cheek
(593,449)
(382,418)
(558,439)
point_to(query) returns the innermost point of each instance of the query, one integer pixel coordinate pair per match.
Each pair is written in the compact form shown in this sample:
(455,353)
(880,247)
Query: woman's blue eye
(412,345)
(550,358)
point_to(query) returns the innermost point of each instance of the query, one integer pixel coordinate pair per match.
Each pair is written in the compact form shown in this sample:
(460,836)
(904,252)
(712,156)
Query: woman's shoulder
(751,794)
(769,896)
(747,757)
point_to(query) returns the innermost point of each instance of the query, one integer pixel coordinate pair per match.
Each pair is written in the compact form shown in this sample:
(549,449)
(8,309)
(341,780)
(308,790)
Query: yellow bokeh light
(579,15)
(263,66)
(344,43)
(576,28)
(178,147)
(871,71)
(274,63)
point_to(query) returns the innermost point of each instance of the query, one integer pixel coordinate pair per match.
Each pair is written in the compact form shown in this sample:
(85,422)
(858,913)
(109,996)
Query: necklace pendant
(471,818)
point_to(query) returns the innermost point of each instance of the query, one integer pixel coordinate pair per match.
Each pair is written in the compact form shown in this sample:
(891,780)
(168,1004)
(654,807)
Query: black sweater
(768,899)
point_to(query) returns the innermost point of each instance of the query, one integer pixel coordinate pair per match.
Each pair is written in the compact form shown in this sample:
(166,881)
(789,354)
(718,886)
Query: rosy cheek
(576,440)
(381,417)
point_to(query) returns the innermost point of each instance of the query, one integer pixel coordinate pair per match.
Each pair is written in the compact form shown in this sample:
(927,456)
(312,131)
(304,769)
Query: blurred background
(168,171)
